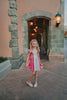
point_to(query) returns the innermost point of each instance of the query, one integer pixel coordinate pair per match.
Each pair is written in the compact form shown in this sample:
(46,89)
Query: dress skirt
(36,63)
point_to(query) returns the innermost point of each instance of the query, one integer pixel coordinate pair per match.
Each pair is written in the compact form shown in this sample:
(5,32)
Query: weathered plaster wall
(5,35)
(33,5)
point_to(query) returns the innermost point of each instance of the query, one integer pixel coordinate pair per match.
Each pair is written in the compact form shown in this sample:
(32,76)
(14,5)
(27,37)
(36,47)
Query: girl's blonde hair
(34,40)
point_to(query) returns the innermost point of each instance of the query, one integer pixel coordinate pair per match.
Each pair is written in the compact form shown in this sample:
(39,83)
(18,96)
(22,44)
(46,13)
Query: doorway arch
(29,16)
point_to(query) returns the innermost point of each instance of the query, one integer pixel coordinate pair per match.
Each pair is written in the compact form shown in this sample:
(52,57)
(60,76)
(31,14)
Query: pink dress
(34,62)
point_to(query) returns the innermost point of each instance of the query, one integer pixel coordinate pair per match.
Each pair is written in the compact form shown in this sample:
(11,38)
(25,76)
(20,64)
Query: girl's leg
(29,80)
(36,77)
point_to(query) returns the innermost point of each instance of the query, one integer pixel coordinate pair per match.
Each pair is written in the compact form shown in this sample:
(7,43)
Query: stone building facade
(15,16)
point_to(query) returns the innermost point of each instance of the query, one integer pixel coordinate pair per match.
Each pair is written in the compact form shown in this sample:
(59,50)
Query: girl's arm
(28,57)
(39,56)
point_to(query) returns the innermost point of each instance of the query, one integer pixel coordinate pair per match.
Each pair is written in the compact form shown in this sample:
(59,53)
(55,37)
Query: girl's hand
(41,65)
(26,64)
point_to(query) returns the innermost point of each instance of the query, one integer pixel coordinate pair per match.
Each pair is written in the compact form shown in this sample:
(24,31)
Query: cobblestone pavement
(52,83)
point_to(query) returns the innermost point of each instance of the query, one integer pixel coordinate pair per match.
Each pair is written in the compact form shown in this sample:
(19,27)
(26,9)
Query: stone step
(4,69)
(6,63)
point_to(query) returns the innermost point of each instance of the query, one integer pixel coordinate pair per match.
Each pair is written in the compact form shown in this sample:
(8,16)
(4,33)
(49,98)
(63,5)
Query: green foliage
(65,36)
(2,59)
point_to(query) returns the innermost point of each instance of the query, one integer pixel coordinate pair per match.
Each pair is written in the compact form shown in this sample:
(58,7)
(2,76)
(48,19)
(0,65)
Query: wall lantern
(58,19)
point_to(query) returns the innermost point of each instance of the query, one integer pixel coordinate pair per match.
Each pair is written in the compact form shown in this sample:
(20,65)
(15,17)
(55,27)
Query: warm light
(31,23)
(36,27)
(35,30)
(33,34)
(58,19)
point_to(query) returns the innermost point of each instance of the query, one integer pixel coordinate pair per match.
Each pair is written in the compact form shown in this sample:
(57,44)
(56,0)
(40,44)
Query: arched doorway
(39,15)
(38,29)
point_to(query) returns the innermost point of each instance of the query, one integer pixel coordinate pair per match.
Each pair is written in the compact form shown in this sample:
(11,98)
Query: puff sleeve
(29,51)
(39,51)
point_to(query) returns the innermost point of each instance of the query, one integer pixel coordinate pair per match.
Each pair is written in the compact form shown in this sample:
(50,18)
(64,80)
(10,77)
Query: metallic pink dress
(34,65)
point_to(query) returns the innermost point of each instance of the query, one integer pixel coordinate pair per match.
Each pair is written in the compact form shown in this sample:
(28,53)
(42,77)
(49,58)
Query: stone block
(13,28)
(53,44)
(61,50)
(54,49)
(13,4)
(14,35)
(14,20)
(60,45)
(61,41)
(12,12)
(13,43)
(57,50)
(56,41)
(15,52)
(53,36)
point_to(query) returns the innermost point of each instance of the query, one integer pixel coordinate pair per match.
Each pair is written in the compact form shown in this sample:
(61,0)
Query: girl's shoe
(29,84)
(35,85)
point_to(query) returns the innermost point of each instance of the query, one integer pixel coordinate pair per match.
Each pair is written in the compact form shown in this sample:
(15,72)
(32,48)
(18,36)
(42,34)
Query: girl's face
(34,44)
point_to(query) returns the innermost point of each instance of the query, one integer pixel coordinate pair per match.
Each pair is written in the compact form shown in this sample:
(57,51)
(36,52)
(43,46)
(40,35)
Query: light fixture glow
(35,30)
(58,19)
(36,27)
(31,23)
(33,34)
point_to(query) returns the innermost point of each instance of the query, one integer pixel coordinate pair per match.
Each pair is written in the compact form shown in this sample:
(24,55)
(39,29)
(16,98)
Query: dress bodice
(34,52)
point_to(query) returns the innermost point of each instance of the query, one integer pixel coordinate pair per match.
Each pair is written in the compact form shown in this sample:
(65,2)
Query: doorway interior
(38,28)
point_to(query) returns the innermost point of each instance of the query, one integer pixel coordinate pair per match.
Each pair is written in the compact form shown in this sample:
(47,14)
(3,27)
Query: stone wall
(57,45)
(57,39)
(13,28)
(15,60)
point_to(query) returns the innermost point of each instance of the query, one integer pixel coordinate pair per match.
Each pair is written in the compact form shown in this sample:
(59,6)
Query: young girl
(33,61)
